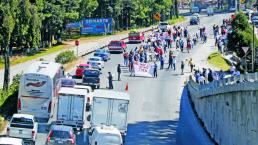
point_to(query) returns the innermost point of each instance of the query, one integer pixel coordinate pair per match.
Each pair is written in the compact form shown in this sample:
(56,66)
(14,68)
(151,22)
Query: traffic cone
(126,87)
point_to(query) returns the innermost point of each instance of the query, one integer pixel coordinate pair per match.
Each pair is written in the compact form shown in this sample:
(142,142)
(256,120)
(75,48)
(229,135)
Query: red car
(117,46)
(136,37)
(80,69)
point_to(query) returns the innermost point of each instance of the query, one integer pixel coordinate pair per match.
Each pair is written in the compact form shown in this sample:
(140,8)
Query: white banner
(143,69)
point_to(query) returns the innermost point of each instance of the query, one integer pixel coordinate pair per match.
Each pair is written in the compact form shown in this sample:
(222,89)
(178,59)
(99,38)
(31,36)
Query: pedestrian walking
(174,62)
(110,80)
(118,72)
(182,67)
(155,70)
(191,64)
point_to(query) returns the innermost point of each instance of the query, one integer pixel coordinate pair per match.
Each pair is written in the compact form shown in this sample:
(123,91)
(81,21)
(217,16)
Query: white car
(163,26)
(105,135)
(13,141)
(23,126)
(96,62)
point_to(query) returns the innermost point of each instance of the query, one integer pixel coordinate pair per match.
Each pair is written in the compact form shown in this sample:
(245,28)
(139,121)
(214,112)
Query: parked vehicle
(72,106)
(210,11)
(61,135)
(23,126)
(194,20)
(105,135)
(117,46)
(91,77)
(13,141)
(136,37)
(103,53)
(66,82)
(96,62)
(38,88)
(163,26)
(232,9)
(110,108)
(80,68)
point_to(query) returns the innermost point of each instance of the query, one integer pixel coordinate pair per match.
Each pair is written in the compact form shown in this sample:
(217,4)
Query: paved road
(154,106)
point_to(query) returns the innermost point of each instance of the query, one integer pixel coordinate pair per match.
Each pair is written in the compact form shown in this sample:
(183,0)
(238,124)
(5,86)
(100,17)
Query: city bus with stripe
(38,89)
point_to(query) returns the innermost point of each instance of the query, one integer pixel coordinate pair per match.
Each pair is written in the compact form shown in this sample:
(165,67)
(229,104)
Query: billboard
(73,25)
(96,26)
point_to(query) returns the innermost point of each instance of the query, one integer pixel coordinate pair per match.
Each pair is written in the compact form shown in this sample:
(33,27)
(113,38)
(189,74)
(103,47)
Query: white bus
(38,88)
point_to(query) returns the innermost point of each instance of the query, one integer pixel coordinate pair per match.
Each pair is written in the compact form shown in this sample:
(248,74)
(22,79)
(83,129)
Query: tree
(87,7)
(7,25)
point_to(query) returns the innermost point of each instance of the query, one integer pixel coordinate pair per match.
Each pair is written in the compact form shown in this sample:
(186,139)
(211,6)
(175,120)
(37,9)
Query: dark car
(103,53)
(194,20)
(61,134)
(91,77)
(66,82)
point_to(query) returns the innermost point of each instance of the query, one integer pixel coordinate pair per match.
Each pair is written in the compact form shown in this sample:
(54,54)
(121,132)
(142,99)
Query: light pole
(253,51)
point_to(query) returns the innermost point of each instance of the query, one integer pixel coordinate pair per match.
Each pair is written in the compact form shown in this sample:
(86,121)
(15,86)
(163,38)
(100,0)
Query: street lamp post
(253,51)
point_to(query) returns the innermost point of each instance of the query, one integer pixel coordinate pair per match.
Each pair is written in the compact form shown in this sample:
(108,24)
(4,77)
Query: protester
(174,62)
(110,80)
(191,64)
(182,67)
(161,62)
(126,58)
(170,61)
(155,70)
(118,72)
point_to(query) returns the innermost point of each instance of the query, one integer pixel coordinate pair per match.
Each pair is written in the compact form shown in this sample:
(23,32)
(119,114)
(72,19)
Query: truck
(72,106)
(110,108)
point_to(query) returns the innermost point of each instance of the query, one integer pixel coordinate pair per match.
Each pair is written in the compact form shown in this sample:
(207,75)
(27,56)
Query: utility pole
(253,51)
(176,8)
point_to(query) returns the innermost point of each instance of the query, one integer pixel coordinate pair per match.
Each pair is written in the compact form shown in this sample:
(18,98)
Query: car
(117,46)
(80,68)
(61,134)
(91,77)
(105,54)
(105,135)
(135,36)
(8,140)
(96,62)
(23,126)
(232,9)
(194,20)
(67,82)
(195,10)
(163,26)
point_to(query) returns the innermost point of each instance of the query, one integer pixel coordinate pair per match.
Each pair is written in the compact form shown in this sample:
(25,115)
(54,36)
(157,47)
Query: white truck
(71,106)
(23,126)
(110,108)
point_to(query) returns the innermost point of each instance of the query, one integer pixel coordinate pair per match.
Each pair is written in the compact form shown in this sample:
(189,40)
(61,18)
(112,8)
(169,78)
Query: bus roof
(44,68)
(73,91)
(111,94)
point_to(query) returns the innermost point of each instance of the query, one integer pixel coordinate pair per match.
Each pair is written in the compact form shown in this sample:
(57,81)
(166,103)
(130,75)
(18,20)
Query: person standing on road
(126,57)
(161,62)
(119,72)
(182,67)
(170,61)
(110,80)
(155,70)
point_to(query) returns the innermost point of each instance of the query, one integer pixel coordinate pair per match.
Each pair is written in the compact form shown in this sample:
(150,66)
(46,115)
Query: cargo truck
(110,108)
(71,106)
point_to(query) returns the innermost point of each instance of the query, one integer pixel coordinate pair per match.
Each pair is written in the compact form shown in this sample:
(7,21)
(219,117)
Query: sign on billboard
(73,25)
(96,26)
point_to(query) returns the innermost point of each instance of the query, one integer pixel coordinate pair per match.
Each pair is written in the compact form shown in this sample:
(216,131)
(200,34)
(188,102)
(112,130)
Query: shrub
(65,57)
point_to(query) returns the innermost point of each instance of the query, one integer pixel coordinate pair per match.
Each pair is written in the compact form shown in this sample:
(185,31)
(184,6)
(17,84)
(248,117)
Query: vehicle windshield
(91,73)
(60,134)
(67,83)
(22,123)
(134,34)
(111,139)
(115,43)
(100,51)
(94,59)
(162,24)
(83,67)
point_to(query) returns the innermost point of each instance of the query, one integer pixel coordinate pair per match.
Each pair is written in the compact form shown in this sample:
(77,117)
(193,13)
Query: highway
(154,105)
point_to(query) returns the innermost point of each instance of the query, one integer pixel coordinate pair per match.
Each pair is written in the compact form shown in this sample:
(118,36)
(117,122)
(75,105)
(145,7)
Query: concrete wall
(228,109)
(189,130)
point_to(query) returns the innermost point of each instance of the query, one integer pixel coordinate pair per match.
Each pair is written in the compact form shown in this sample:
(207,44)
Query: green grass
(218,61)
(176,20)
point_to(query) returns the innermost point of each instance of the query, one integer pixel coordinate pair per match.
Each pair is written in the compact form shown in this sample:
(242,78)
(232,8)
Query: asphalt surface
(154,105)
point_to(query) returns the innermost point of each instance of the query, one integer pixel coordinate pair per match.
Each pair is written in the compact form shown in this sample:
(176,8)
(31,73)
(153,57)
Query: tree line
(31,24)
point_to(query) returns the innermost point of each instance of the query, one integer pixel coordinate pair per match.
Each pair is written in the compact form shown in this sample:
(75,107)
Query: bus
(39,86)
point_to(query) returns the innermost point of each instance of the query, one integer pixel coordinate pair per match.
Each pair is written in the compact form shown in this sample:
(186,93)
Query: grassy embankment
(218,61)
